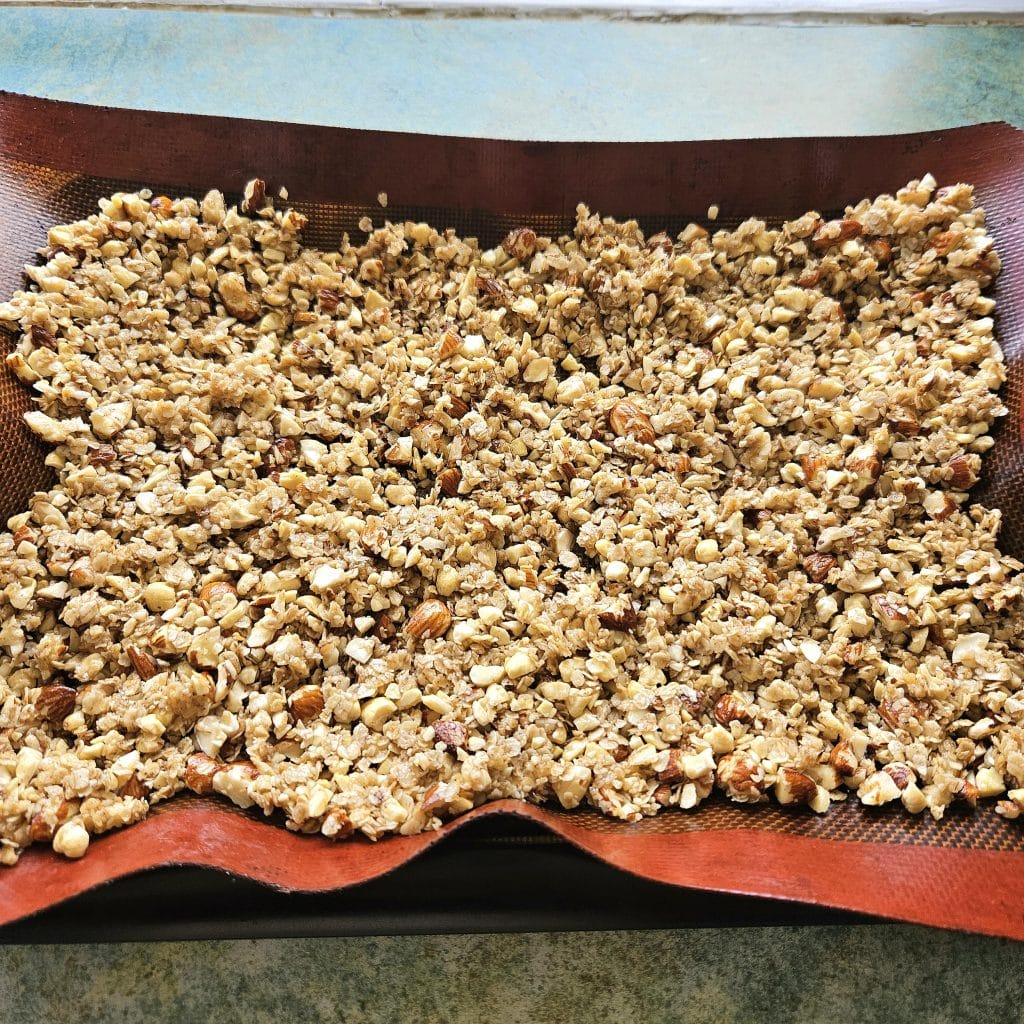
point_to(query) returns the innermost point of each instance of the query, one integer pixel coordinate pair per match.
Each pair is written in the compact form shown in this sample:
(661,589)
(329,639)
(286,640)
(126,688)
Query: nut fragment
(742,777)
(42,338)
(161,206)
(102,455)
(281,454)
(944,242)
(730,708)
(238,300)
(199,773)
(881,249)
(673,770)
(215,592)
(159,597)
(794,787)
(329,299)
(843,759)
(628,420)
(254,196)
(449,479)
(520,243)
(135,788)
(963,473)
(307,702)
(818,566)
(431,619)
(623,619)
(71,840)
(142,663)
(56,702)
(834,232)
(452,734)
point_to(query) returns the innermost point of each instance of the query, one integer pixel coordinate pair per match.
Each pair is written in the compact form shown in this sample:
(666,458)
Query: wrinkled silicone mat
(58,159)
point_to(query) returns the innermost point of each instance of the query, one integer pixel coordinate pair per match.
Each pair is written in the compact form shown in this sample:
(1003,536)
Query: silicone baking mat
(58,159)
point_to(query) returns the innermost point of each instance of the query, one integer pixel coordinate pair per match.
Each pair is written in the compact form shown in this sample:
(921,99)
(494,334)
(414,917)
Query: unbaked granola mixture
(372,536)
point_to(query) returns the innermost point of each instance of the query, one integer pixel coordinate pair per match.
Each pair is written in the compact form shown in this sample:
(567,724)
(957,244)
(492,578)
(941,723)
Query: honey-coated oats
(373,536)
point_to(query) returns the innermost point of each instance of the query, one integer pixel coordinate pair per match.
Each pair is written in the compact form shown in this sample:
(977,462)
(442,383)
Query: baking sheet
(57,159)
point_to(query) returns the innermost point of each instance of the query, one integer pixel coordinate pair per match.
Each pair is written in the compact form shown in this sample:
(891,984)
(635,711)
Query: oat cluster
(372,536)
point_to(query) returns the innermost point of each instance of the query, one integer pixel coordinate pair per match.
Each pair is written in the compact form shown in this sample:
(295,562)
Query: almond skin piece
(660,241)
(306,702)
(729,708)
(963,475)
(238,300)
(337,824)
(214,590)
(881,249)
(449,479)
(793,787)
(102,455)
(901,774)
(945,242)
(521,243)
(135,788)
(457,406)
(431,619)
(623,619)
(834,232)
(255,195)
(142,663)
(280,455)
(966,791)
(818,566)
(450,344)
(329,299)
(55,702)
(741,777)
(42,338)
(41,828)
(843,758)
(161,206)
(452,734)
(628,420)
(199,772)
(673,771)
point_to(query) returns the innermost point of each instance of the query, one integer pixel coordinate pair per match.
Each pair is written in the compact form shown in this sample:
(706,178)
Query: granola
(372,536)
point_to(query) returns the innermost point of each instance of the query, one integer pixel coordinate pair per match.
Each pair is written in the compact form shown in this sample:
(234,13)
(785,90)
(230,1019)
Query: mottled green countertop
(561,79)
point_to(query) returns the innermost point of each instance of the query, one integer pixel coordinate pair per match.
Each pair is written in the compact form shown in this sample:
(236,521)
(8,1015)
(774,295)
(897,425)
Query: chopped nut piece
(843,759)
(71,840)
(449,479)
(199,773)
(623,619)
(56,702)
(834,232)
(142,663)
(520,243)
(307,702)
(431,619)
(452,734)
(255,196)
(159,597)
(730,708)
(238,300)
(628,420)
(963,474)
(818,566)
(794,787)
